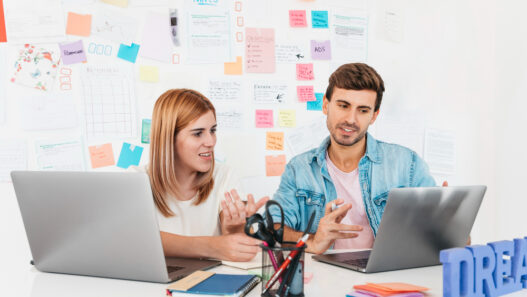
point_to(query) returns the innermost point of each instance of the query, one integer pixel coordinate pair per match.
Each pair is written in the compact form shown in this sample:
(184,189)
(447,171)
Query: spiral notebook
(217,285)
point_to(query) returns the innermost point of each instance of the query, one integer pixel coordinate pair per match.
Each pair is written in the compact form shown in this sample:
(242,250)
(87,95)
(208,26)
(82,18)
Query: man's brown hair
(356,76)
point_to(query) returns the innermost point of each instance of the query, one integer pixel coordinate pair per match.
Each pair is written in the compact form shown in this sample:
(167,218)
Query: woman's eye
(198,134)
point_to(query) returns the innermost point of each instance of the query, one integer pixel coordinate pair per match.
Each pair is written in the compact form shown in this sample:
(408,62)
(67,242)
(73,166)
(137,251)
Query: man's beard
(354,141)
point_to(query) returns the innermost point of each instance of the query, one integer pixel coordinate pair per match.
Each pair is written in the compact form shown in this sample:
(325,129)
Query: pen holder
(291,281)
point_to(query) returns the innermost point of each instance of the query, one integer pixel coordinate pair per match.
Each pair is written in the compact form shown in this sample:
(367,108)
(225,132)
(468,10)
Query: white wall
(460,66)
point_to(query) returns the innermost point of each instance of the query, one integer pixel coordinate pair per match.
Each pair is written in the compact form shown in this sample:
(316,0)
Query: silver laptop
(98,224)
(417,223)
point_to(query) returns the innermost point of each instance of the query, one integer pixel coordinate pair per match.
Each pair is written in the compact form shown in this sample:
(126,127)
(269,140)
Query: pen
(291,255)
(334,206)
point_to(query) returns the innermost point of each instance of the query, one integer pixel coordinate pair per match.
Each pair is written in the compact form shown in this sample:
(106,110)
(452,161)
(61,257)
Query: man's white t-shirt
(202,219)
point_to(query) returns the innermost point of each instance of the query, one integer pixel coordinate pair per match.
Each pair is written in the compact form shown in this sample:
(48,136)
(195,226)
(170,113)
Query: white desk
(328,280)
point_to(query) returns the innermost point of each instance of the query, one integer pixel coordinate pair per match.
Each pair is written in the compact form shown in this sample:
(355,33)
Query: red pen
(284,265)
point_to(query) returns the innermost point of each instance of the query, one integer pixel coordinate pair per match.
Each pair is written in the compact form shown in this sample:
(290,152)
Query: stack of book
(387,290)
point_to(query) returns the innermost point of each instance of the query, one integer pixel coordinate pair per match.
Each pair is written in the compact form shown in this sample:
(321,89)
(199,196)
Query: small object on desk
(214,284)
(308,276)
(387,289)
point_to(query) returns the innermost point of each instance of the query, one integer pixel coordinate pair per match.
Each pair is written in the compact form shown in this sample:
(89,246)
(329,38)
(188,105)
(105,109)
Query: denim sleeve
(421,174)
(286,196)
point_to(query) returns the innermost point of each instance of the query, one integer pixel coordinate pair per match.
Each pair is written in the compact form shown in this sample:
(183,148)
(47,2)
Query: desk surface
(328,280)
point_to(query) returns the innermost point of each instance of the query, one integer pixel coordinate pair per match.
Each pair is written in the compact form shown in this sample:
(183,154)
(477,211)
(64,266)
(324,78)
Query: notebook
(218,285)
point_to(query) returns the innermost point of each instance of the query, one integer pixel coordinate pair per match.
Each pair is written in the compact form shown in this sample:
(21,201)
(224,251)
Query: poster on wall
(349,33)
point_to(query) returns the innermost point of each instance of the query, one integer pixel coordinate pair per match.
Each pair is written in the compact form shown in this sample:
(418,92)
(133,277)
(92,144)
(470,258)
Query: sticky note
(305,72)
(145,131)
(297,18)
(149,73)
(233,68)
(274,165)
(130,155)
(3,35)
(264,118)
(287,118)
(101,155)
(156,42)
(274,141)
(120,3)
(128,53)
(78,24)
(72,53)
(305,93)
(317,104)
(320,50)
(260,50)
(319,19)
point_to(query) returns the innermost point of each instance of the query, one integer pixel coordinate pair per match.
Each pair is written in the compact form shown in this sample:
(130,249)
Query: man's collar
(372,152)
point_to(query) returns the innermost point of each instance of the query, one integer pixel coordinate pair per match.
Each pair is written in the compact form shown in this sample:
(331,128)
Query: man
(349,164)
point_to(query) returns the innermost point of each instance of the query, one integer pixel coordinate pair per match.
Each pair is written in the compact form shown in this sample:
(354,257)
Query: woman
(188,186)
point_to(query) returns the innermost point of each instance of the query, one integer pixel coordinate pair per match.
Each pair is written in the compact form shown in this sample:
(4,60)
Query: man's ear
(325,103)
(375,114)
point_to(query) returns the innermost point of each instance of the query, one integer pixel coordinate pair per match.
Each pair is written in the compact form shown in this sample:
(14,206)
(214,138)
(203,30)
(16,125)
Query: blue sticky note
(145,133)
(130,155)
(319,19)
(317,104)
(128,53)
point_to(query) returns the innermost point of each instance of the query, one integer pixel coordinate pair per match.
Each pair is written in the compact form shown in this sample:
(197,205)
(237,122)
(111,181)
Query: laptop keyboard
(357,262)
(173,268)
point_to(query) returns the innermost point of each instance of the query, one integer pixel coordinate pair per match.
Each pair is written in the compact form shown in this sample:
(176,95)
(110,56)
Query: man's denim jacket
(306,186)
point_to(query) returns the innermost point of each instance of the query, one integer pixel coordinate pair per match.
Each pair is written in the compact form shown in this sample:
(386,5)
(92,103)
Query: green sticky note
(145,132)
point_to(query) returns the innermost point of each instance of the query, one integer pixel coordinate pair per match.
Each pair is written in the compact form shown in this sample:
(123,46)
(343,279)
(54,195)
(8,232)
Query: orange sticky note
(101,155)
(274,165)
(78,24)
(3,36)
(398,287)
(297,18)
(305,72)
(233,68)
(274,141)
(305,93)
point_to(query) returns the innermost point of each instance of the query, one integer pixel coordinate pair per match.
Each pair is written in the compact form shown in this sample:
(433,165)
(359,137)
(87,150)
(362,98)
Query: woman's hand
(235,211)
(236,247)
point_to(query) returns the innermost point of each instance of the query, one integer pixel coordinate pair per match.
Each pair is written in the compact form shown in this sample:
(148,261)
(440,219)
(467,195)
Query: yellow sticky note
(274,141)
(149,73)
(274,165)
(287,118)
(233,68)
(120,3)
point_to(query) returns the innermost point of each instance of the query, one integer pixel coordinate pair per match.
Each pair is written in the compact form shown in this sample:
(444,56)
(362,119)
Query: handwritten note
(72,53)
(78,24)
(149,73)
(305,72)
(145,131)
(317,104)
(128,53)
(233,68)
(270,93)
(297,18)
(291,52)
(305,93)
(229,118)
(287,118)
(274,141)
(221,90)
(259,50)
(130,155)
(60,155)
(319,19)
(274,165)
(101,155)
(320,50)
(264,118)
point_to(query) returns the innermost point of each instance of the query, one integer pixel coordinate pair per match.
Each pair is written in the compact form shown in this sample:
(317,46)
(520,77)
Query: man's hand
(330,228)
(235,211)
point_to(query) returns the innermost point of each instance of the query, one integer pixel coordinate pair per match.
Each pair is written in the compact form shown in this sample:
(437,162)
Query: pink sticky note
(297,18)
(274,165)
(264,118)
(259,50)
(101,155)
(305,93)
(305,72)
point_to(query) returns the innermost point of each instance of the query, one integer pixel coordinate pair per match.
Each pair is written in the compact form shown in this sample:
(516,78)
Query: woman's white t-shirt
(202,219)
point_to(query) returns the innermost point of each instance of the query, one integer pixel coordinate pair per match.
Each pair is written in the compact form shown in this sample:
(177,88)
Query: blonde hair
(173,111)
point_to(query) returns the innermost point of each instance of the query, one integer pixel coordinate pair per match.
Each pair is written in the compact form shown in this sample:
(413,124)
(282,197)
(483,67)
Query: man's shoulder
(303,159)
(388,148)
